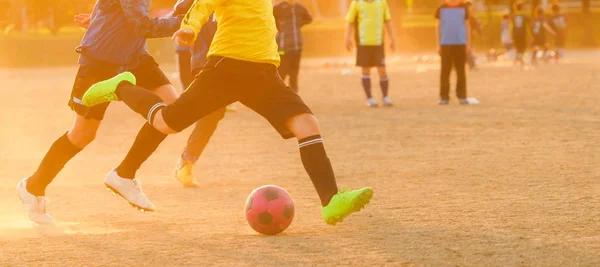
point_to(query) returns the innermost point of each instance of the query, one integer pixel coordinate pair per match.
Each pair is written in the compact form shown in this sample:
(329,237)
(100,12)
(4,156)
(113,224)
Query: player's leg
(384,83)
(203,131)
(294,69)
(32,190)
(184,59)
(459,56)
(446,67)
(363,60)
(534,53)
(290,116)
(122,180)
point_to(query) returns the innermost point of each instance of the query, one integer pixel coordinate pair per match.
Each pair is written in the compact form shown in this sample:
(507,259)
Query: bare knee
(382,71)
(167,93)
(304,125)
(82,136)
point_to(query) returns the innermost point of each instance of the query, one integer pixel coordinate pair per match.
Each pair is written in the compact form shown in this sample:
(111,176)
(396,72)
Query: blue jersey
(453,24)
(118,30)
(205,37)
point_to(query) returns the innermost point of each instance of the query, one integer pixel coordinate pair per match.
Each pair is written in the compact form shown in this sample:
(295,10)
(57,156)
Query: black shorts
(370,56)
(539,40)
(148,75)
(520,43)
(224,81)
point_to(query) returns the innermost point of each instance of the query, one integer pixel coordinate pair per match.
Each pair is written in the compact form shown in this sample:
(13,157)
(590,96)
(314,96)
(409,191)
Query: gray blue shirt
(200,48)
(453,23)
(118,31)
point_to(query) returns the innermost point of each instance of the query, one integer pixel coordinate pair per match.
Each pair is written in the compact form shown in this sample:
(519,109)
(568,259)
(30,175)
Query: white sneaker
(34,205)
(371,102)
(129,189)
(231,107)
(469,101)
(387,101)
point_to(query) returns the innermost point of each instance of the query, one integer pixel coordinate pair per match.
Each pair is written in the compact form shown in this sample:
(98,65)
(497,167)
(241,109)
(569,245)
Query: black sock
(140,100)
(317,165)
(384,82)
(146,142)
(61,151)
(366,83)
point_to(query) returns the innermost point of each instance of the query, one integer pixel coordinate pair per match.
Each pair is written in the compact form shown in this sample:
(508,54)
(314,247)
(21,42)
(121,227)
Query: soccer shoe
(345,203)
(387,101)
(231,108)
(469,101)
(104,91)
(184,172)
(34,205)
(371,103)
(130,190)
(443,102)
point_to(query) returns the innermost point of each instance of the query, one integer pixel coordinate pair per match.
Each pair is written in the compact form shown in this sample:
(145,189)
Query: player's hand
(349,44)
(393,45)
(184,37)
(82,20)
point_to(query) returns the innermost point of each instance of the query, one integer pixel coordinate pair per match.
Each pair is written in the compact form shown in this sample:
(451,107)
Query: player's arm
(182,7)
(351,18)
(305,17)
(137,15)
(389,26)
(548,28)
(437,31)
(468,26)
(193,21)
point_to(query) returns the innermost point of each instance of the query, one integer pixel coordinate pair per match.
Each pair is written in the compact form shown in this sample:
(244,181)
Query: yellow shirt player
(367,19)
(242,66)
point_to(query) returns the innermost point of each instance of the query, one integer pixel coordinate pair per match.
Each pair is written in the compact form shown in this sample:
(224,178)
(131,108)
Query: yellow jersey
(370,18)
(246,28)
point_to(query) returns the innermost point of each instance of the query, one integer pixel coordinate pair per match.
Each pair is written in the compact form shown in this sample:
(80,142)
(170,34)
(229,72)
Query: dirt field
(511,182)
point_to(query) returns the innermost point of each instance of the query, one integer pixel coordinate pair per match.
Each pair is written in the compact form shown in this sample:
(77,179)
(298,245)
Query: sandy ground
(511,182)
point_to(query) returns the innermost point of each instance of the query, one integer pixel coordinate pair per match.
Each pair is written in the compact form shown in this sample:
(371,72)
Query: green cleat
(345,203)
(104,91)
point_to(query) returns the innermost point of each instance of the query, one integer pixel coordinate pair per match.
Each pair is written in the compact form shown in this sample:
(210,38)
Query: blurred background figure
(538,31)
(520,29)
(476,30)
(290,17)
(506,36)
(558,21)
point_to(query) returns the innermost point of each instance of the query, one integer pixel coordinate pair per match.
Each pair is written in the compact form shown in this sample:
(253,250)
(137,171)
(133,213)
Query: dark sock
(61,151)
(384,82)
(366,83)
(140,100)
(318,167)
(146,142)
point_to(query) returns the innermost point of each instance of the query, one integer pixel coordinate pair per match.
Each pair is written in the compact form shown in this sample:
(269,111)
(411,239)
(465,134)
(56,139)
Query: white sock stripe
(364,76)
(384,79)
(310,142)
(151,111)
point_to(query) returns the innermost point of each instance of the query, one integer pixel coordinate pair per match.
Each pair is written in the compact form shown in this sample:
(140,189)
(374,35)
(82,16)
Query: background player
(114,42)
(290,16)
(506,36)
(242,66)
(454,43)
(558,22)
(366,19)
(205,127)
(538,32)
(520,27)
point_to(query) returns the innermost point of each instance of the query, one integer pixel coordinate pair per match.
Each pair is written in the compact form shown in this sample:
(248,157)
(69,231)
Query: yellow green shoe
(344,203)
(104,91)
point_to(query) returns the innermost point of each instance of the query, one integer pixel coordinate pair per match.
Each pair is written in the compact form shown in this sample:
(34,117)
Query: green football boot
(344,203)
(104,91)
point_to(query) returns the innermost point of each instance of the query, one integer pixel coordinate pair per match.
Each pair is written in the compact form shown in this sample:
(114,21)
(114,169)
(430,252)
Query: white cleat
(469,101)
(130,190)
(34,205)
(371,103)
(387,102)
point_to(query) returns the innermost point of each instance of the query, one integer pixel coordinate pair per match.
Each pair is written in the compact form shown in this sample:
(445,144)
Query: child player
(242,66)
(520,26)
(506,37)
(290,16)
(454,43)
(538,31)
(114,42)
(558,22)
(205,127)
(366,18)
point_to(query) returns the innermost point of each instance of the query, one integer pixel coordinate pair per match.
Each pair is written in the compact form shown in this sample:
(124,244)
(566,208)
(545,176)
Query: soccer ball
(269,210)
